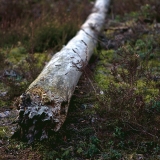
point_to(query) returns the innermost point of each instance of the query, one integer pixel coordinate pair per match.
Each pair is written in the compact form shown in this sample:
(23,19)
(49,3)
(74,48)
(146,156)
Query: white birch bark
(44,105)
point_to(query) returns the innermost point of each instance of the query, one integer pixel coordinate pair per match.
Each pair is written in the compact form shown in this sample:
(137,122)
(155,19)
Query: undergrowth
(40,25)
(129,78)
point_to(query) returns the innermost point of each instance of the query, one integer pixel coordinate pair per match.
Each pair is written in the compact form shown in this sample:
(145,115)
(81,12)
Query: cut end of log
(37,118)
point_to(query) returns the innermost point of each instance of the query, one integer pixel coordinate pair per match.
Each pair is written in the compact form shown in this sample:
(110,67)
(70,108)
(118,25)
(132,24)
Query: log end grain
(38,116)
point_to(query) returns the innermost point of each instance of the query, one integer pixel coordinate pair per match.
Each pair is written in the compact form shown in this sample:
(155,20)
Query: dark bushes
(40,25)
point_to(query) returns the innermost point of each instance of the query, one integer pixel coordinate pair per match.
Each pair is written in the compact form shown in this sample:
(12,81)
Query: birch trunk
(45,103)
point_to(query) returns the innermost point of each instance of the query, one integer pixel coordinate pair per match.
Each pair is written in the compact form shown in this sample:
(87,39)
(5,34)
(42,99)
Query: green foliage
(92,150)
(50,155)
(2,59)
(112,154)
(156,106)
(147,11)
(130,102)
(3,132)
(92,147)
(118,133)
(52,35)
(144,9)
(12,37)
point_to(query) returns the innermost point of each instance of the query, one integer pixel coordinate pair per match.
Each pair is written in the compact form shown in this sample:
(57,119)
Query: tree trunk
(44,105)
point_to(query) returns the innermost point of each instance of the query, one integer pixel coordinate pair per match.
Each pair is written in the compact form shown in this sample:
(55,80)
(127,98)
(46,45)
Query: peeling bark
(44,105)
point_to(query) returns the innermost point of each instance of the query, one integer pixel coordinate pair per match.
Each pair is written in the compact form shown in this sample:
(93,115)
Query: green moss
(41,59)
(16,54)
(101,79)
(3,103)
(102,74)
(3,131)
(107,55)
(141,84)
(134,15)
(26,61)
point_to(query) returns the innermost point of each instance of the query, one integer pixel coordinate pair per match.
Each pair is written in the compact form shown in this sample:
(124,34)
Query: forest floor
(115,110)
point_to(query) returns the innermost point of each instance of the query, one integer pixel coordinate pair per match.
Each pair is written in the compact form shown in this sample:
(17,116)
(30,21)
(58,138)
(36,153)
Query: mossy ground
(116,115)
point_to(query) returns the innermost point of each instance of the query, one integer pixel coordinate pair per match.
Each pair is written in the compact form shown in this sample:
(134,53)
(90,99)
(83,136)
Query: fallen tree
(45,103)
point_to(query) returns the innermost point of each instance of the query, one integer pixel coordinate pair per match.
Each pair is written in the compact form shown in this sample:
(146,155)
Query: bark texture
(44,105)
